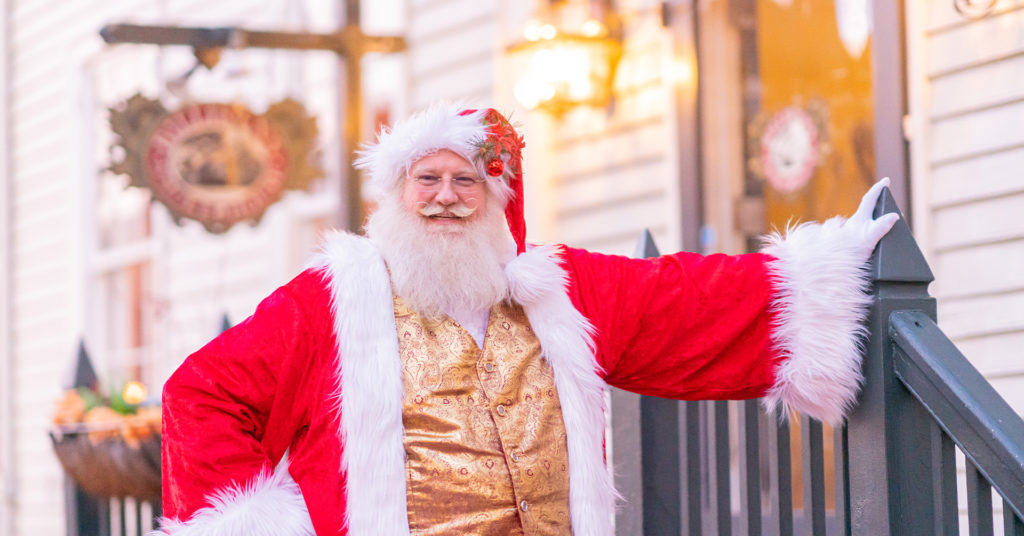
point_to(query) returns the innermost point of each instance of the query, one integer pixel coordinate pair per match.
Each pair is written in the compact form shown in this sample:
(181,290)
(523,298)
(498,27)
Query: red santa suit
(291,422)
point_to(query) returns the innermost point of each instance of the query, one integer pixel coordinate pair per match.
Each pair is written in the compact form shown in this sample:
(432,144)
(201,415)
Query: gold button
(524,505)
(501,410)
(514,456)
(489,367)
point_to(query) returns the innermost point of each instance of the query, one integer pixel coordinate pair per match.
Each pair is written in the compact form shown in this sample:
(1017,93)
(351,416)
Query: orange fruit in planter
(70,408)
(103,423)
(151,416)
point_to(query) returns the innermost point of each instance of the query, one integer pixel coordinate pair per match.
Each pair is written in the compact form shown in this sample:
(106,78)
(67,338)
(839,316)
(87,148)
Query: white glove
(862,229)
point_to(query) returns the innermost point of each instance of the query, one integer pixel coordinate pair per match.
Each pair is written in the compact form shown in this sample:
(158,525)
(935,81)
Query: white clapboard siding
(978,88)
(452,50)
(587,193)
(7,421)
(988,353)
(977,134)
(980,270)
(981,316)
(614,148)
(985,221)
(42,281)
(971,97)
(969,43)
(449,17)
(974,179)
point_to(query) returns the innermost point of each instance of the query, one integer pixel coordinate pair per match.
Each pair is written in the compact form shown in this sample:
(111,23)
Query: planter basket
(110,467)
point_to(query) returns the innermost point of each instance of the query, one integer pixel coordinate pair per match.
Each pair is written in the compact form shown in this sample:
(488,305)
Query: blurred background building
(708,122)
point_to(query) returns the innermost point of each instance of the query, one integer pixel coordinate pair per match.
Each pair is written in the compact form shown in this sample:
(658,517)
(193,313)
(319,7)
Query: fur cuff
(821,281)
(269,505)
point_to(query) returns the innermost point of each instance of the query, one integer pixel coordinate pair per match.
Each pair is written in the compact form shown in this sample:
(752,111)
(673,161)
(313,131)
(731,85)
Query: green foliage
(118,404)
(90,397)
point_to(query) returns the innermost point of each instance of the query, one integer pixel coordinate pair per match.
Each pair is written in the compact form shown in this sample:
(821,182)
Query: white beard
(436,272)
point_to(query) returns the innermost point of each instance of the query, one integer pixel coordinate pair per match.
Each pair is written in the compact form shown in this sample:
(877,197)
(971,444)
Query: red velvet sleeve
(220,403)
(681,326)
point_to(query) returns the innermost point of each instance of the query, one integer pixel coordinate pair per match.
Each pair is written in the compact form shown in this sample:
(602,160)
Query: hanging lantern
(567,57)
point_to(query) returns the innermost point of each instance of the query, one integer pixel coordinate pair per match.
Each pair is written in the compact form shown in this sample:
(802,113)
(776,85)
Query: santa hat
(483,137)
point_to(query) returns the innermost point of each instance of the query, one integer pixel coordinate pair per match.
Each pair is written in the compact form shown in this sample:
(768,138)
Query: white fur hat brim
(437,127)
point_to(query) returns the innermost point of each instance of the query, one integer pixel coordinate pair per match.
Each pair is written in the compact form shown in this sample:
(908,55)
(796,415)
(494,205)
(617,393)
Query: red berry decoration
(495,168)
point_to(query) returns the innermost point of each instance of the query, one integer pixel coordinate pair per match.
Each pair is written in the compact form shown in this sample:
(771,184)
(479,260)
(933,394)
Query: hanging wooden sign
(215,163)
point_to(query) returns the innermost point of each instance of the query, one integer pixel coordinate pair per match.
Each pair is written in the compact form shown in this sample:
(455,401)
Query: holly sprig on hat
(502,146)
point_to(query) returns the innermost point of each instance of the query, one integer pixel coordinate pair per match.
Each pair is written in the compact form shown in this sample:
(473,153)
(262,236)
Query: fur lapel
(370,387)
(537,282)
(371,393)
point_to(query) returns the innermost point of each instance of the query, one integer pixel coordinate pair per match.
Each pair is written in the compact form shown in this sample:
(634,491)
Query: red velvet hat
(483,137)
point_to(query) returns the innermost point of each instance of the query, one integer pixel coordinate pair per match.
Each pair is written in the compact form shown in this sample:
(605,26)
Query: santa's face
(445,190)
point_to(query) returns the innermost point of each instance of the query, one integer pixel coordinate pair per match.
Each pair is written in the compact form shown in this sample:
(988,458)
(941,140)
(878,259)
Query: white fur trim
(371,391)
(821,301)
(537,282)
(269,505)
(437,127)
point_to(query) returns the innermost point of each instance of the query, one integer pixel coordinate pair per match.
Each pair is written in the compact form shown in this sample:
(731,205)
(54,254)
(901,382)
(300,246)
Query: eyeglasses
(433,182)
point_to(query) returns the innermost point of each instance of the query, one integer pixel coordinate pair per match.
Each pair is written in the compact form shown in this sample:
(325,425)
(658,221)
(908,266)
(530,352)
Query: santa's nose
(446,195)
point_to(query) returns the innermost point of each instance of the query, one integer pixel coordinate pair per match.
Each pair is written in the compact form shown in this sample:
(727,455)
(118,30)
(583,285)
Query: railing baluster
(660,465)
(813,456)
(750,470)
(689,424)
(842,474)
(979,503)
(105,519)
(138,518)
(1012,525)
(718,468)
(122,516)
(780,480)
(947,516)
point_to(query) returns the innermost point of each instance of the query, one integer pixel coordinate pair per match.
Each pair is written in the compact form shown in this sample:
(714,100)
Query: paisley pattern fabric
(484,436)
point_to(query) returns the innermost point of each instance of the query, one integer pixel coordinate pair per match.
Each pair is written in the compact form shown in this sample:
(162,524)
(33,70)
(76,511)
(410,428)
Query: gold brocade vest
(484,437)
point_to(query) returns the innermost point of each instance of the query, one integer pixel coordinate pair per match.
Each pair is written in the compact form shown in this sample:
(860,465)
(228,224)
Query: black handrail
(962,402)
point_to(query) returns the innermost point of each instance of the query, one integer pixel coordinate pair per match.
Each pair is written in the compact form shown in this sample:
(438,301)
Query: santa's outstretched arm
(785,324)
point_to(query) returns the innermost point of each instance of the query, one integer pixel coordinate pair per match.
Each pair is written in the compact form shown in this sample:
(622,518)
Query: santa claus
(440,376)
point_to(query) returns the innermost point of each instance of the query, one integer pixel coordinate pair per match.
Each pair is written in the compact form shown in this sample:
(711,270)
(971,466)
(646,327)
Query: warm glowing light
(678,71)
(581,89)
(559,69)
(546,92)
(134,393)
(532,31)
(592,28)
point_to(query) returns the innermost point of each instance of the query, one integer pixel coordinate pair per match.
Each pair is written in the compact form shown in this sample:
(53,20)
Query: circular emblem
(216,163)
(789,149)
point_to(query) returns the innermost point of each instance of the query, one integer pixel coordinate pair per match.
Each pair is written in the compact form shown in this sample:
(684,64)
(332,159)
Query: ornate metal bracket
(975,9)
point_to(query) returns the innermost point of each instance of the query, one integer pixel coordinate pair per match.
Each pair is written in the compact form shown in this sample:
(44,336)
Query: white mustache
(459,210)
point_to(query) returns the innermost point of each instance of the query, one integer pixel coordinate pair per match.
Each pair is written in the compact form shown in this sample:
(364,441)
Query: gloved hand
(864,230)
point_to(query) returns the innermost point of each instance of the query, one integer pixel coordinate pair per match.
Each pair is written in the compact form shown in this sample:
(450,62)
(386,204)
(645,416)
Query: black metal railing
(723,468)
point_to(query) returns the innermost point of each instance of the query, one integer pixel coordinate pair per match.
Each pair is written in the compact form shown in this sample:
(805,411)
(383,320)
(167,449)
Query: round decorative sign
(215,163)
(789,149)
